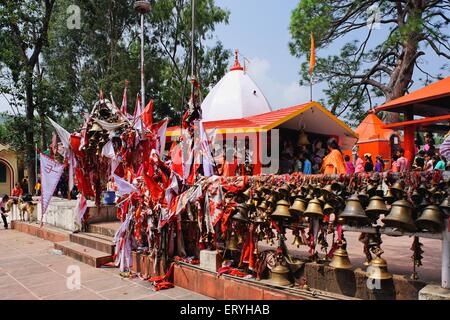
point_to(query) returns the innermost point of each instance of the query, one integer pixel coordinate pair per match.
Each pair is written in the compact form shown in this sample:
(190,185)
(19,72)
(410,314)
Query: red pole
(409,143)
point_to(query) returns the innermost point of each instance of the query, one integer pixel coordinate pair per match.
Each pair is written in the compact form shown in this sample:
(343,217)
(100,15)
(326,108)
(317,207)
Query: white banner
(51,172)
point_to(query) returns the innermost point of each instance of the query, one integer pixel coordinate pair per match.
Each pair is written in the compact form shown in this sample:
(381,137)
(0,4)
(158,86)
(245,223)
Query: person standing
(333,163)
(403,165)
(394,166)
(37,188)
(17,191)
(359,165)
(379,164)
(3,210)
(429,162)
(25,185)
(350,168)
(419,161)
(307,167)
(368,166)
(441,163)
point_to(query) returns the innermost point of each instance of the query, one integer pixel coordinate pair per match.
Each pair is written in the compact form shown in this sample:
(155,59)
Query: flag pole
(310,88)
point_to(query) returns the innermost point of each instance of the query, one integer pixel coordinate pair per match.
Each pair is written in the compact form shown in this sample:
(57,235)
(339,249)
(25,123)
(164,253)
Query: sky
(260,30)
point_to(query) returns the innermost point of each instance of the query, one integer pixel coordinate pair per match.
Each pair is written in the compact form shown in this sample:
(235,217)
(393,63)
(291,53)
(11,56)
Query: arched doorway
(6,177)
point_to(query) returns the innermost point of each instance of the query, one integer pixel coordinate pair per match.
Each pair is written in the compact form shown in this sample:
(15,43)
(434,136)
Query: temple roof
(430,101)
(371,128)
(235,96)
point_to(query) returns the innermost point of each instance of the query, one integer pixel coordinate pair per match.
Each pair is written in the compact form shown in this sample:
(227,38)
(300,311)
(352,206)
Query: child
(349,165)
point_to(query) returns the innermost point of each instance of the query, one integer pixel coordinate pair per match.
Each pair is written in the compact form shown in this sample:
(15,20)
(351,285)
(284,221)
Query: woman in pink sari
(359,165)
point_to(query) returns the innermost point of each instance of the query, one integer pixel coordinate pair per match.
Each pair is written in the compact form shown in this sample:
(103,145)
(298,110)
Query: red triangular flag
(147,115)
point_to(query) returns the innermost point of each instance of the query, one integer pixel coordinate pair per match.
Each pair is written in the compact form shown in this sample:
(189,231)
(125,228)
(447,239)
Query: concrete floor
(31,270)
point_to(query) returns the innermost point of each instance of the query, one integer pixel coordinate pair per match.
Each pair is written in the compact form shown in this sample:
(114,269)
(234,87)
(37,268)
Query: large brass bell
(298,207)
(241,215)
(354,212)
(280,273)
(327,190)
(430,219)
(376,207)
(281,211)
(400,216)
(398,189)
(340,259)
(233,242)
(314,210)
(377,269)
(302,139)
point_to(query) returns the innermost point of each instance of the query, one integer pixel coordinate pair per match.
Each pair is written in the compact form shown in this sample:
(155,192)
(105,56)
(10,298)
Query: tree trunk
(29,132)
(401,77)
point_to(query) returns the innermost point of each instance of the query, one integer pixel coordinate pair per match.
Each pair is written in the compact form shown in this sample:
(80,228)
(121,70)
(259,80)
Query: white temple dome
(235,96)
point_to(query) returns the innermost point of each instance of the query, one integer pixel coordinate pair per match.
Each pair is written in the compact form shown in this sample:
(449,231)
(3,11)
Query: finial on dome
(237,65)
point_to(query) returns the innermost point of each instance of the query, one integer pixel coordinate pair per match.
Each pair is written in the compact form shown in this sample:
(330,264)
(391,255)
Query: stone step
(95,241)
(104,228)
(84,254)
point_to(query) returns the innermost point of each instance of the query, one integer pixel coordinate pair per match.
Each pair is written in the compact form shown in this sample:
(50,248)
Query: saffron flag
(51,172)
(312,57)
(147,115)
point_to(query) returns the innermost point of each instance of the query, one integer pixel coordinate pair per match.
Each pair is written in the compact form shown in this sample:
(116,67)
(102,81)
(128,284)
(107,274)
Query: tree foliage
(361,70)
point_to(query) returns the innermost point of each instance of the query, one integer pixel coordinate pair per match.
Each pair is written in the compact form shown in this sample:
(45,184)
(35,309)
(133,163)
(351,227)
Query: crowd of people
(332,161)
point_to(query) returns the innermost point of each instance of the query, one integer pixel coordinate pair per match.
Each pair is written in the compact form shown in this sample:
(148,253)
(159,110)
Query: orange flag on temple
(312,58)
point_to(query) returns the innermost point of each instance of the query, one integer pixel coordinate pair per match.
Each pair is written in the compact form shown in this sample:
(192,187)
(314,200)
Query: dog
(27,207)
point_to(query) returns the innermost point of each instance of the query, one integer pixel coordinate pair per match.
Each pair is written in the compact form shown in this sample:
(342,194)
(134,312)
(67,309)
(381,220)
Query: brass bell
(233,242)
(422,190)
(376,207)
(280,275)
(354,212)
(340,259)
(371,190)
(430,219)
(389,197)
(398,188)
(445,206)
(271,201)
(363,197)
(379,191)
(416,197)
(425,203)
(298,207)
(283,190)
(328,209)
(377,269)
(293,196)
(314,210)
(400,216)
(96,128)
(263,205)
(302,139)
(437,197)
(281,211)
(322,199)
(297,241)
(259,219)
(247,193)
(327,190)
(241,214)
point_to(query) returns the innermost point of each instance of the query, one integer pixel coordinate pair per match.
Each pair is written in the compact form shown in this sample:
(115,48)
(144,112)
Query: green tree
(23,34)
(362,71)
